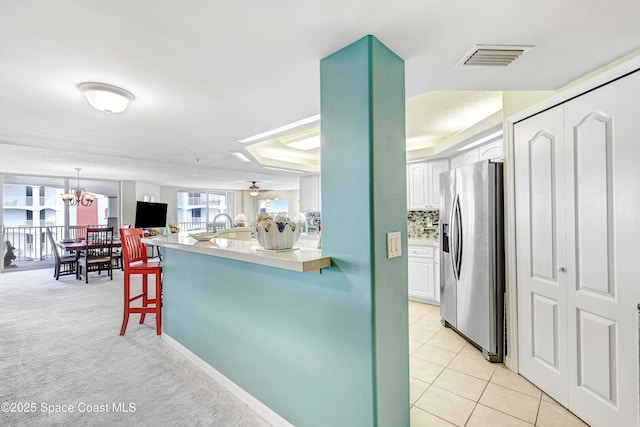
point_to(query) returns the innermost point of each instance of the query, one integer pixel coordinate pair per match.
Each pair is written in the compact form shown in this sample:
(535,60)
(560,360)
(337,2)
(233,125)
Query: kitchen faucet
(224,215)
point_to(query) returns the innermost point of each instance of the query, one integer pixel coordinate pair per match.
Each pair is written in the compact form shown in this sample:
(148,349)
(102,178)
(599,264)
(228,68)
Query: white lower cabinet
(422,275)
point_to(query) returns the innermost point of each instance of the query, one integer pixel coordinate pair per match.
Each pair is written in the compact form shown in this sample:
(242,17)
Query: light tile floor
(453,385)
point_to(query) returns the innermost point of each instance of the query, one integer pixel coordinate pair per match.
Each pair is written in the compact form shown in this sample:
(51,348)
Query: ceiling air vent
(489,55)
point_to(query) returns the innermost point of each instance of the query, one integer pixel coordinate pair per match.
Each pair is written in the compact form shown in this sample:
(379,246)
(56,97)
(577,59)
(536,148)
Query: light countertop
(302,259)
(428,241)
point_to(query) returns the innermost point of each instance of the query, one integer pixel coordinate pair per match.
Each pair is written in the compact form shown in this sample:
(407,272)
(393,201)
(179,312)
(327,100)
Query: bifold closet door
(602,142)
(577,184)
(542,293)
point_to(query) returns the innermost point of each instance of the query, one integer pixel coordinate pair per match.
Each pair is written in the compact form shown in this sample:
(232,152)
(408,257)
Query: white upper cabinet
(424,184)
(488,151)
(423,178)
(417,175)
(491,151)
(435,168)
(310,193)
(467,157)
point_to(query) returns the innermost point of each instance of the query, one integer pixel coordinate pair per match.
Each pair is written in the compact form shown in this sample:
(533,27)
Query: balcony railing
(30,243)
(197,201)
(193,226)
(27,201)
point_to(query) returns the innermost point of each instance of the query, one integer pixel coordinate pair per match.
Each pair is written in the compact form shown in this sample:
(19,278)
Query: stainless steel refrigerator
(472,255)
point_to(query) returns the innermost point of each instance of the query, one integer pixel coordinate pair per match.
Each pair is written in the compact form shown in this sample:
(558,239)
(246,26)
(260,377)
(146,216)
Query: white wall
(147,192)
(169,195)
(128,202)
(133,191)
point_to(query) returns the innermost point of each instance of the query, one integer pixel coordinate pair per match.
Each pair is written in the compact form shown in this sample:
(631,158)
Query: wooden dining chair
(77,231)
(98,253)
(64,264)
(135,261)
(117,258)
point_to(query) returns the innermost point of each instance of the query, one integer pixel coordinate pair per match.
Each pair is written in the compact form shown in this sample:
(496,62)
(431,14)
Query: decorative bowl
(274,239)
(202,237)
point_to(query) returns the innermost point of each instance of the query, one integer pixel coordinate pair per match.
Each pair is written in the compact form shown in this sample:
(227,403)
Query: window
(196,198)
(196,214)
(273,208)
(202,206)
(29,194)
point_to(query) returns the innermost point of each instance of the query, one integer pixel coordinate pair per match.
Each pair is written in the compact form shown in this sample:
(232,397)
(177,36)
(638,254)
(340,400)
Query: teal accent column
(326,349)
(363,160)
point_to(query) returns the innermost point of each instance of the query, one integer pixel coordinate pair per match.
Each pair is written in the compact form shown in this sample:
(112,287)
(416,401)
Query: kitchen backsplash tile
(423,224)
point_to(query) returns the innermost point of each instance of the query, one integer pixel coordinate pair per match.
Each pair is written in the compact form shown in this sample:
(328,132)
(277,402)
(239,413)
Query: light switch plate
(394,246)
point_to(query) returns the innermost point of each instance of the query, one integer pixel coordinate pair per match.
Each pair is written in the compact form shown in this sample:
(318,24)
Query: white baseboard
(258,407)
(423,300)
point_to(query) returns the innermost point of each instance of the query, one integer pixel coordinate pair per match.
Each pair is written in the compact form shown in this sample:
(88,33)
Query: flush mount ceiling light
(254,190)
(107,98)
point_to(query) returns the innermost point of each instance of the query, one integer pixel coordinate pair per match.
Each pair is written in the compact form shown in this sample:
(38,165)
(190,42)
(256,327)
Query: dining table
(79,245)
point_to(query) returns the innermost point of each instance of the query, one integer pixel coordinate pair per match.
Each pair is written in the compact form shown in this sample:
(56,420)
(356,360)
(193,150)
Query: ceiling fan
(254,190)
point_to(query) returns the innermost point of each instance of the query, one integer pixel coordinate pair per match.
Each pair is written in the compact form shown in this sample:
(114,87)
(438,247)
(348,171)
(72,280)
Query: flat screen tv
(151,215)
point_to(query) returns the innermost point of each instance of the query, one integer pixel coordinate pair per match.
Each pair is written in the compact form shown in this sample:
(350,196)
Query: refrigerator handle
(459,232)
(453,237)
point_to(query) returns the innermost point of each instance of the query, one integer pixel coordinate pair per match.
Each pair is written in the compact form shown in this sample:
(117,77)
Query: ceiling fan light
(107,98)
(254,190)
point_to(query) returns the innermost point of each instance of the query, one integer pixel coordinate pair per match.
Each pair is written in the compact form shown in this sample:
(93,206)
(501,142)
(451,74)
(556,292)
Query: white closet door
(542,295)
(602,143)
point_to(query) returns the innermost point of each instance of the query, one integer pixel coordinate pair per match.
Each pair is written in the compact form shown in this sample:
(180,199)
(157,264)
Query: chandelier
(78,195)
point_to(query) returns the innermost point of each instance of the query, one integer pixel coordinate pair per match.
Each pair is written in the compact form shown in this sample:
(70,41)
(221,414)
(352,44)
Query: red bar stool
(135,261)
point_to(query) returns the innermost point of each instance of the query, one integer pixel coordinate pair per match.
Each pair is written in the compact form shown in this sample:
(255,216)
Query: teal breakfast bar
(254,320)
(270,327)
(302,348)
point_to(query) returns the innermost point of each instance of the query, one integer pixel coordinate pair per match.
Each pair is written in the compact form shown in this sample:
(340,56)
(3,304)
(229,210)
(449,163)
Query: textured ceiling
(206,74)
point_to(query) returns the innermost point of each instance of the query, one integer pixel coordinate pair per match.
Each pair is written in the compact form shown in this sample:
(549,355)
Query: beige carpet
(59,345)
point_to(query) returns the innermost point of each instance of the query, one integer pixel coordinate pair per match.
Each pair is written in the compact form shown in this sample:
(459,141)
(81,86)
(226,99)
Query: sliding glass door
(30,204)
